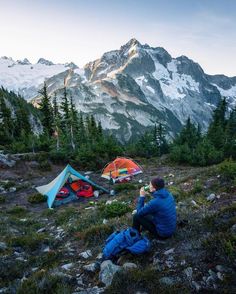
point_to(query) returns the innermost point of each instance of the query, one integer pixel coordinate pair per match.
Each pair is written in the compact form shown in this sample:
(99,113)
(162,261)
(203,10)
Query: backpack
(128,239)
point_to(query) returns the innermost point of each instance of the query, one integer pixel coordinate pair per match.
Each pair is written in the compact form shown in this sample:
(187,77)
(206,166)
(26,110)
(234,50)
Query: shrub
(37,198)
(17,210)
(145,280)
(114,209)
(96,234)
(178,193)
(29,242)
(197,188)
(2,199)
(125,187)
(7,184)
(228,169)
(44,283)
(45,166)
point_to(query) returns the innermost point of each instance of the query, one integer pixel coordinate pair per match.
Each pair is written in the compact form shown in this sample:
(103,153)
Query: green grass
(37,198)
(43,282)
(2,199)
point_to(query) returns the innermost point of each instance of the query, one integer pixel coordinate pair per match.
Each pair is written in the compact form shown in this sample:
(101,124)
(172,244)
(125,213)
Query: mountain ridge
(136,86)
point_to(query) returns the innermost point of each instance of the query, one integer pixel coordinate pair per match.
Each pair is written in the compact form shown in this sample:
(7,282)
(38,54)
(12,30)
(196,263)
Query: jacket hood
(162,193)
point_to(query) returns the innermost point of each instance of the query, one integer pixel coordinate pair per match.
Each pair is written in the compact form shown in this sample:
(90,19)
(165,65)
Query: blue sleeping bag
(128,239)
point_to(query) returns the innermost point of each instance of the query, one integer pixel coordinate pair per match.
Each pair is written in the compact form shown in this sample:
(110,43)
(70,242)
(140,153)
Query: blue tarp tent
(50,190)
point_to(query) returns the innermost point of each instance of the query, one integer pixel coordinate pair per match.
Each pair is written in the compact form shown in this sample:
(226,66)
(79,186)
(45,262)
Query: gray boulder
(107,272)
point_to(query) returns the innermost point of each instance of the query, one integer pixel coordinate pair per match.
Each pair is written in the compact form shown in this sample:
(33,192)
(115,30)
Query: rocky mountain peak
(45,61)
(25,61)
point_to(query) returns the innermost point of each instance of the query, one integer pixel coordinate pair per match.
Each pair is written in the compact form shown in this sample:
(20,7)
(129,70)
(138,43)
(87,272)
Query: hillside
(58,251)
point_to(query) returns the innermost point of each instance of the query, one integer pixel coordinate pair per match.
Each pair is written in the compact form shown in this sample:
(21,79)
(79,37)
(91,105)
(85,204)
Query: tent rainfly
(121,168)
(50,190)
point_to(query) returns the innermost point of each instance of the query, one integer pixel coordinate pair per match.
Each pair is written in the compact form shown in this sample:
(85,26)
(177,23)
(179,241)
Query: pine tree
(216,130)
(65,110)
(230,135)
(57,122)
(161,139)
(6,122)
(46,109)
(73,121)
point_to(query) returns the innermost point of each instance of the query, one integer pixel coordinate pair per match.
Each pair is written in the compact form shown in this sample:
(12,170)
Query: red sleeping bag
(63,193)
(85,190)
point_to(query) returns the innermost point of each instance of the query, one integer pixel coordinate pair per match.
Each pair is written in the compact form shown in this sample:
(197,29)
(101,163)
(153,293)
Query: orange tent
(121,168)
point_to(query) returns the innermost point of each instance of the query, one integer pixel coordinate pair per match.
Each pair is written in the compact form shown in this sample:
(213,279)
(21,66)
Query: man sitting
(158,216)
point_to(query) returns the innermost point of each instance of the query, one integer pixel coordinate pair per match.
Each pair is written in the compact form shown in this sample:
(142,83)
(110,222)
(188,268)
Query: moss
(37,198)
(7,184)
(43,283)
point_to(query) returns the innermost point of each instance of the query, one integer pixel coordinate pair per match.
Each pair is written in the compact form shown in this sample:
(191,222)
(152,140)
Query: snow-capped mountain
(129,89)
(25,78)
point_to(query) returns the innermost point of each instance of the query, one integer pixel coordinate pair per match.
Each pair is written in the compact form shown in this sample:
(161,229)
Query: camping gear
(50,190)
(85,190)
(129,240)
(63,193)
(121,168)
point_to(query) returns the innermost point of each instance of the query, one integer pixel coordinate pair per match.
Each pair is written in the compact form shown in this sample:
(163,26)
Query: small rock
(194,203)
(170,183)
(211,197)
(67,266)
(23,220)
(140,181)
(92,267)
(222,269)
(183,262)
(12,189)
(188,272)
(169,281)
(41,230)
(171,175)
(105,221)
(220,276)
(212,274)
(218,196)
(196,286)
(170,251)
(99,256)
(3,246)
(108,269)
(129,265)
(46,249)
(34,269)
(94,290)
(233,229)
(86,254)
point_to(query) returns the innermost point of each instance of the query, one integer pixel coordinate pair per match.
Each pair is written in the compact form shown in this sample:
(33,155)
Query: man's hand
(142,192)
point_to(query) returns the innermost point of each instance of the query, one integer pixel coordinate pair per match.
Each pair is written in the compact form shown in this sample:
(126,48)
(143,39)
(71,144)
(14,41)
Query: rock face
(5,161)
(132,88)
(108,269)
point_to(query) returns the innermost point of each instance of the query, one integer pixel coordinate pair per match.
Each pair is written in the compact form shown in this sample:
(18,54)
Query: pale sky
(82,30)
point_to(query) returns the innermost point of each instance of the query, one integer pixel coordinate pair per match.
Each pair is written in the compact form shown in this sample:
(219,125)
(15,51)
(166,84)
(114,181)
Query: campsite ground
(40,248)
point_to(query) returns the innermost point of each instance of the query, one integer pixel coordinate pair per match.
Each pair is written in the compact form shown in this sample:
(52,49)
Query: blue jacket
(162,209)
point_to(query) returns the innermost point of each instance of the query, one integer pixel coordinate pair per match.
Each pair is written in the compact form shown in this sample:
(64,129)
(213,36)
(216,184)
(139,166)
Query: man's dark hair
(158,183)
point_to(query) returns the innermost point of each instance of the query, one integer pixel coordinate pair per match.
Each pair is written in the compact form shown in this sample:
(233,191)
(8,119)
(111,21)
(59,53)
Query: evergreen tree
(65,110)
(230,135)
(46,109)
(160,137)
(6,122)
(216,130)
(57,122)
